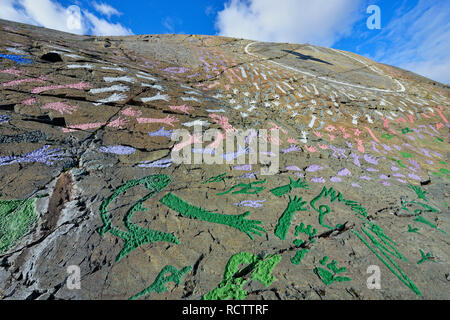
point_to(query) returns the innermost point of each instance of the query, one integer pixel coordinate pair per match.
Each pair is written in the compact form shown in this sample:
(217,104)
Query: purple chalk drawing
(384,177)
(344,172)
(402,181)
(250,203)
(411,138)
(338,152)
(394,168)
(293,168)
(233,155)
(371,159)
(318,180)
(245,167)
(429,161)
(209,151)
(292,148)
(194,75)
(335,179)
(163,163)
(16,58)
(176,70)
(414,163)
(414,176)
(355,159)
(372,170)
(365,178)
(386,147)
(398,175)
(397,147)
(248,175)
(313,168)
(354,184)
(161,133)
(349,144)
(42,155)
(4,118)
(387,184)
(425,152)
(253,134)
(122,150)
(437,154)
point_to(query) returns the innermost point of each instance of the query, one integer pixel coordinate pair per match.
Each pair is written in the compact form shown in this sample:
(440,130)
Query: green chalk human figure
(135,236)
(295,204)
(159,285)
(425,257)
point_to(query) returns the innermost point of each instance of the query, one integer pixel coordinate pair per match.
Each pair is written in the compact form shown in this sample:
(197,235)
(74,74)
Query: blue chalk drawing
(42,155)
(16,58)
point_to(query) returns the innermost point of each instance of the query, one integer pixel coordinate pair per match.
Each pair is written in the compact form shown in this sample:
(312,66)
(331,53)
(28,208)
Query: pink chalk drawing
(29,101)
(169,120)
(439,111)
(360,146)
(61,107)
(78,86)
(192,139)
(356,132)
(223,122)
(323,146)
(17,82)
(330,128)
(183,108)
(129,112)
(310,149)
(13,72)
(84,126)
(213,85)
(292,140)
(332,137)
(318,134)
(439,125)
(118,123)
(344,172)
(277,127)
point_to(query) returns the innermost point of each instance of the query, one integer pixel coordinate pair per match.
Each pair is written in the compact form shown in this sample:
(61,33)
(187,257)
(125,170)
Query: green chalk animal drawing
(331,275)
(136,236)
(234,280)
(159,285)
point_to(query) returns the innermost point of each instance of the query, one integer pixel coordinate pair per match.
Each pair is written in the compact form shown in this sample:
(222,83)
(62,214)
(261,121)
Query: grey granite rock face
(85,143)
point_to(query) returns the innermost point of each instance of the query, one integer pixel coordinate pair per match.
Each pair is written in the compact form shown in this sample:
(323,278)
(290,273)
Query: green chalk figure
(280,191)
(295,204)
(398,162)
(259,269)
(135,236)
(425,257)
(17,218)
(220,177)
(421,219)
(413,230)
(387,136)
(421,194)
(192,212)
(331,275)
(323,210)
(245,188)
(299,255)
(424,207)
(308,230)
(406,154)
(159,285)
(406,130)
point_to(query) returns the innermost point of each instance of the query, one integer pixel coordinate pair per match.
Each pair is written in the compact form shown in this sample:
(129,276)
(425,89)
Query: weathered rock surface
(82,116)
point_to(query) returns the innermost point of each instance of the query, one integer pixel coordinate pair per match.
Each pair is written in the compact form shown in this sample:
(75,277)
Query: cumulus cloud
(106,9)
(51,14)
(417,39)
(319,22)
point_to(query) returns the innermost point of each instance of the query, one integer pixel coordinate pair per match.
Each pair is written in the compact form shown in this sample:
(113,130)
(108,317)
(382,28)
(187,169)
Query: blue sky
(414,34)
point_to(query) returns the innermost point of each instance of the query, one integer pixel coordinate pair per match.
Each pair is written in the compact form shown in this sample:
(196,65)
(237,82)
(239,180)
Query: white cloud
(417,40)
(106,9)
(51,14)
(320,22)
